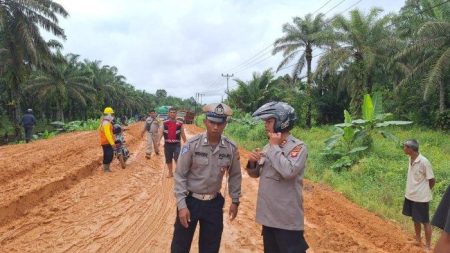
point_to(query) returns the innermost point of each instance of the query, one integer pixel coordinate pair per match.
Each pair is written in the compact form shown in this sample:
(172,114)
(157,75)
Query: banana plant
(353,137)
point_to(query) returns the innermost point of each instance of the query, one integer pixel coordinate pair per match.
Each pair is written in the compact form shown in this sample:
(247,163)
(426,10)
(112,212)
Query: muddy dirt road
(55,198)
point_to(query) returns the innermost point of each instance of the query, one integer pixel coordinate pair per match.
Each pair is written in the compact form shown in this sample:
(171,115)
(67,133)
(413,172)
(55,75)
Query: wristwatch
(235,201)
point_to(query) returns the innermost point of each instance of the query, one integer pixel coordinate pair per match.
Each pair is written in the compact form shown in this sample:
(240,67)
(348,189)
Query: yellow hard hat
(108,110)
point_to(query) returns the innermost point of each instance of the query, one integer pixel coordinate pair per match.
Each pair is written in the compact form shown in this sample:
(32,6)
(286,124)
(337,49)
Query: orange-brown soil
(55,198)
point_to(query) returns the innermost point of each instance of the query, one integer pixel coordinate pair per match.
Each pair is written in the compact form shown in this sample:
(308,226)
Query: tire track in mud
(20,202)
(133,210)
(151,221)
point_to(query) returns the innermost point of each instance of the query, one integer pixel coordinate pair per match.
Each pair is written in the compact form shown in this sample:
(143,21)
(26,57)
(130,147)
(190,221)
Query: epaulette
(230,141)
(195,138)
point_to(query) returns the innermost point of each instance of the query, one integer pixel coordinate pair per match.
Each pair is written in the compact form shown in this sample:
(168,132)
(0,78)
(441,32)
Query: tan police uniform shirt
(417,185)
(200,169)
(152,125)
(280,171)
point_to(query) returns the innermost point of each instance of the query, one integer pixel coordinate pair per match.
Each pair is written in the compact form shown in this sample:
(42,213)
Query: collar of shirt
(417,160)
(205,140)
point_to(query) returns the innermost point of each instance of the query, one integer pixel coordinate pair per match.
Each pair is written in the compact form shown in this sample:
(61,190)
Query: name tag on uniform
(202,154)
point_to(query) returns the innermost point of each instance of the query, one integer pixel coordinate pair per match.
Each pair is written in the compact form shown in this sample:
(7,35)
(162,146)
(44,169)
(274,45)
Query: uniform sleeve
(290,166)
(180,176)
(108,134)
(428,170)
(235,177)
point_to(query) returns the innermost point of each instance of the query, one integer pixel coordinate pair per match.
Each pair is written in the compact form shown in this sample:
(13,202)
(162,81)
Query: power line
(256,63)
(262,52)
(251,58)
(334,7)
(322,6)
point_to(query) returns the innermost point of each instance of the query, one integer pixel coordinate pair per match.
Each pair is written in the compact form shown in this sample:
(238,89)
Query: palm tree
(431,51)
(357,47)
(434,61)
(20,22)
(297,45)
(252,94)
(64,80)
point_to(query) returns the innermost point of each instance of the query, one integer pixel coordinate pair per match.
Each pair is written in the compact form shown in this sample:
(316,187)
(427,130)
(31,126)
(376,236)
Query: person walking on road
(152,126)
(173,132)
(441,219)
(107,138)
(280,167)
(203,161)
(420,180)
(28,122)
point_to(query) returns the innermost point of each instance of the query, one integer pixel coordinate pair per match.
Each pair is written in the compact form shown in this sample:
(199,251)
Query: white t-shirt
(417,185)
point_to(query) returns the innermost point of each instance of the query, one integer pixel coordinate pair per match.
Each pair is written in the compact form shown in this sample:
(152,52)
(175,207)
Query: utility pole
(227,76)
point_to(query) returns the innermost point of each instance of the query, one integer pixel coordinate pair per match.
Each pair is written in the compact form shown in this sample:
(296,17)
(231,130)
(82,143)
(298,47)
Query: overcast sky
(183,46)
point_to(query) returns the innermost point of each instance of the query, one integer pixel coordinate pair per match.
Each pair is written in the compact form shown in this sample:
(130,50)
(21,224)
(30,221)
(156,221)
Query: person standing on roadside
(280,167)
(28,122)
(107,138)
(420,180)
(203,161)
(151,126)
(172,131)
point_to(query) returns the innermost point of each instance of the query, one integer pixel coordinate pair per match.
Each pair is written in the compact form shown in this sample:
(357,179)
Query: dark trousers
(108,153)
(283,241)
(210,216)
(28,133)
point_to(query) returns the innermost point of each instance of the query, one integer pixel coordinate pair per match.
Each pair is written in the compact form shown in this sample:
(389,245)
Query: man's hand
(185,217)
(233,211)
(275,138)
(254,156)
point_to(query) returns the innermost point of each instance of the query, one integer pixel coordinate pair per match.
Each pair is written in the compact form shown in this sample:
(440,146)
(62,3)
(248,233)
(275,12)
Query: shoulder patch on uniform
(230,141)
(185,149)
(195,138)
(295,151)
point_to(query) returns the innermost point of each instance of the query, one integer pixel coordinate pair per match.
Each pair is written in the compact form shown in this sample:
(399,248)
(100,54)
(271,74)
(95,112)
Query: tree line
(35,74)
(403,56)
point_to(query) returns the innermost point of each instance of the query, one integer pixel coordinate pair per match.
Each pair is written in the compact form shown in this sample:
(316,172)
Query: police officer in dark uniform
(280,168)
(202,163)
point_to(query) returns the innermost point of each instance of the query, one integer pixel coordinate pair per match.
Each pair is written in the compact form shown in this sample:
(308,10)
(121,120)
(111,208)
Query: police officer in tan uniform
(152,125)
(280,168)
(203,161)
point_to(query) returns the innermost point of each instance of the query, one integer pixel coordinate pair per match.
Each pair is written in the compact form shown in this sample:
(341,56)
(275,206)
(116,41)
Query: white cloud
(184,46)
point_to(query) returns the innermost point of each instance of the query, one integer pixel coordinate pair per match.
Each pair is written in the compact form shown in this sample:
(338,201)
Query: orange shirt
(106,133)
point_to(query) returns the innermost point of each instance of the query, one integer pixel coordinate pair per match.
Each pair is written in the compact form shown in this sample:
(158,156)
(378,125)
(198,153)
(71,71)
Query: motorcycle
(120,151)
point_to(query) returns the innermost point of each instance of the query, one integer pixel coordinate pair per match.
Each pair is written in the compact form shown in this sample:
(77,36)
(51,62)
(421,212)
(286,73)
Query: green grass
(377,181)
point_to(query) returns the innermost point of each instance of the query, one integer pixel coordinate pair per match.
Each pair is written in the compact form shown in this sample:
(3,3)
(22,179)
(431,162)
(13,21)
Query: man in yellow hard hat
(107,137)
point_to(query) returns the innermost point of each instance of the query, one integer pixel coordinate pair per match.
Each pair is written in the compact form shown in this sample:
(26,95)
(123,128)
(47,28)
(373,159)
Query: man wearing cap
(28,122)
(280,167)
(173,131)
(420,180)
(203,161)
(152,125)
